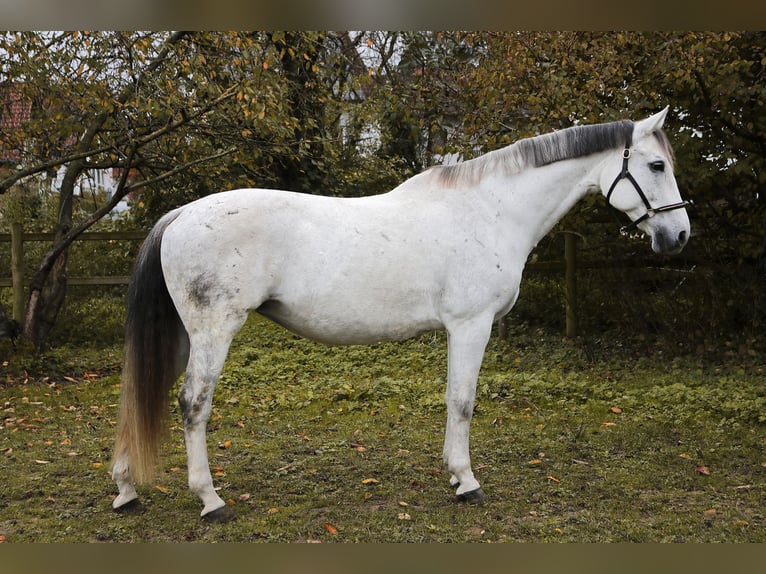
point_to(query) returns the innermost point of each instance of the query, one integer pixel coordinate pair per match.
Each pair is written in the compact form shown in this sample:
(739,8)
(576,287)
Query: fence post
(17,270)
(570,257)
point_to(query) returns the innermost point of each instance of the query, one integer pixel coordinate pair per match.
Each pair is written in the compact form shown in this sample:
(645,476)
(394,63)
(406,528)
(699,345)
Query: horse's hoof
(131,507)
(219,515)
(472,496)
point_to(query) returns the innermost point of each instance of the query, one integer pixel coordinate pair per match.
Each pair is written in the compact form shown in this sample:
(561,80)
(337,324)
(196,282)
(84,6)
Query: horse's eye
(657,166)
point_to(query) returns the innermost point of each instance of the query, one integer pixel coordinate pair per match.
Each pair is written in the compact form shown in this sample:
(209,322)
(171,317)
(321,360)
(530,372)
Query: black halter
(650,211)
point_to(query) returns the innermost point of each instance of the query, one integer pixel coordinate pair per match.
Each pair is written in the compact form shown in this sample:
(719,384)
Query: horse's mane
(542,150)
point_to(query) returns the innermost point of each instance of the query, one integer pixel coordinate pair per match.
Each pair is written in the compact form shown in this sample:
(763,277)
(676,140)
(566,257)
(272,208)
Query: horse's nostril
(682,237)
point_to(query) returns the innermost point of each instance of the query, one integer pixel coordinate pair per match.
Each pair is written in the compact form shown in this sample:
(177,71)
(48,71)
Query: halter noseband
(650,211)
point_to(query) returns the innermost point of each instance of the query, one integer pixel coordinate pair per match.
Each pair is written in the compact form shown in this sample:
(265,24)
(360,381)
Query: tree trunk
(47,290)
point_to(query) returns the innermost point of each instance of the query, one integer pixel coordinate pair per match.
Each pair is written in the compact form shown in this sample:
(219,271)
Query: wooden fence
(17,282)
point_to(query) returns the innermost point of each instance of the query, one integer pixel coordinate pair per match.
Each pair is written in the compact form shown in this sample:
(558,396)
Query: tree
(104,100)
(179,115)
(495,88)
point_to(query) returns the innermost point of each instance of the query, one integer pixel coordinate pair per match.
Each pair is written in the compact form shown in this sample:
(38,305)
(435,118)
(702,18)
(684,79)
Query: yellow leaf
(330,528)
(162,489)
(272,510)
(608,424)
(535,461)
(370,481)
(616,410)
(685,456)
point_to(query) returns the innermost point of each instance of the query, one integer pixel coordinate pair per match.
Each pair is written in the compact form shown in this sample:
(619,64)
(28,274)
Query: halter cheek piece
(650,211)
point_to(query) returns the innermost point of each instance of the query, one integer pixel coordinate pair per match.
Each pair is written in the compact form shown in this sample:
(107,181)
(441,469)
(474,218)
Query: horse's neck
(536,199)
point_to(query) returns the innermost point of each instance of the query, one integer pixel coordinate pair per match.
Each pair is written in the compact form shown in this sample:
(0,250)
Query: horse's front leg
(467,342)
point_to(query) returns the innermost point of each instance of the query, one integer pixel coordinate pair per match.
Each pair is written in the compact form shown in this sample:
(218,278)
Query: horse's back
(336,270)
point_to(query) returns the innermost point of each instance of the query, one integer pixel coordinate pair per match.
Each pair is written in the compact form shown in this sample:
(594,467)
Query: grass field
(572,441)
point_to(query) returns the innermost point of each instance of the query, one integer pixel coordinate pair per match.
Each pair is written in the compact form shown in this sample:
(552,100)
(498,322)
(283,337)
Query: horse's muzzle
(668,242)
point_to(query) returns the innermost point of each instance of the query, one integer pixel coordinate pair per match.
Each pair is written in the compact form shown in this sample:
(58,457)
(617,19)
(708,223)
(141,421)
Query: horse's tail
(154,341)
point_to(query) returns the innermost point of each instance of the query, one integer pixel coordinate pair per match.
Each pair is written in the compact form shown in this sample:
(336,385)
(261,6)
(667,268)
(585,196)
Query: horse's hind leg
(127,497)
(207,354)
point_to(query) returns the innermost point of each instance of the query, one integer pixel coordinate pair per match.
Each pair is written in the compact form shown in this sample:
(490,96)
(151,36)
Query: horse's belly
(340,324)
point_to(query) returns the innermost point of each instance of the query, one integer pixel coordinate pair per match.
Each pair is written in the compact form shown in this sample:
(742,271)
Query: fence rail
(569,265)
(17,281)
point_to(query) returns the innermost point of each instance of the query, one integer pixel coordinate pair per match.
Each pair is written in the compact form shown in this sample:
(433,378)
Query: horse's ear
(649,125)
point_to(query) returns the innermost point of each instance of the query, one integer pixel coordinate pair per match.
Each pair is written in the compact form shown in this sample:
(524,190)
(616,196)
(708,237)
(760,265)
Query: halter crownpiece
(650,211)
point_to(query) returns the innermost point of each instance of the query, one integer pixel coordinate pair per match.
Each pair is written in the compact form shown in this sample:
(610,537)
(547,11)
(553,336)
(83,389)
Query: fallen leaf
(608,424)
(685,456)
(553,479)
(535,461)
(370,481)
(402,503)
(330,528)
(225,444)
(272,510)
(404,516)
(42,461)
(702,470)
(244,497)
(162,489)
(616,410)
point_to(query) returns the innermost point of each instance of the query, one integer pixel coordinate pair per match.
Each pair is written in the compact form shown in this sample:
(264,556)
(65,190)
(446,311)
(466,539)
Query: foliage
(356,113)
(310,443)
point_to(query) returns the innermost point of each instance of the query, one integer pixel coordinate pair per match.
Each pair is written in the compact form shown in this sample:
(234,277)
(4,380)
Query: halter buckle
(626,153)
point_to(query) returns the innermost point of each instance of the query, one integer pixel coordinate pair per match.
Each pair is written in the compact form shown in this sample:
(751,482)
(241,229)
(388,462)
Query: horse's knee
(462,408)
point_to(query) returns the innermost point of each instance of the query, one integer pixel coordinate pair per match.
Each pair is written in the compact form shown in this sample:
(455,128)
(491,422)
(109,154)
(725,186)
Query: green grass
(298,428)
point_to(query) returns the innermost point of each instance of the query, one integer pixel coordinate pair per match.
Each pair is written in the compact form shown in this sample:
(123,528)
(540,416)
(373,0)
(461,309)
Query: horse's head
(640,183)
